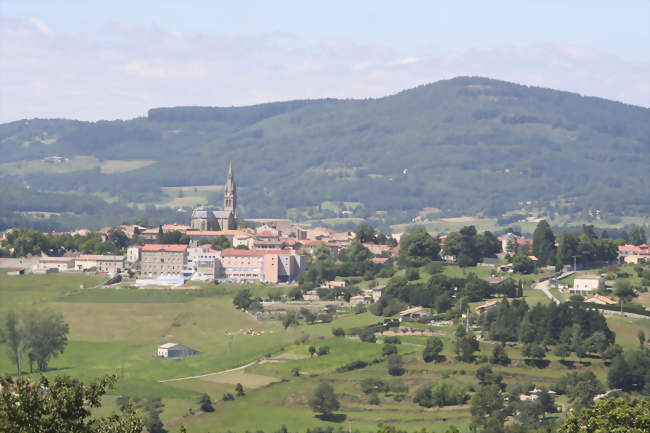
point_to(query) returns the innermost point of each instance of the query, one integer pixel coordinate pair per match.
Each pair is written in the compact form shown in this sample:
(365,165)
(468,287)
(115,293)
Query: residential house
(109,264)
(488,305)
(633,254)
(133,253)
(413,313)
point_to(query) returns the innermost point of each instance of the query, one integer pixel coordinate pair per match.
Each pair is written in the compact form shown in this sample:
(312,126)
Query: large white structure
(175,351)
(587,284)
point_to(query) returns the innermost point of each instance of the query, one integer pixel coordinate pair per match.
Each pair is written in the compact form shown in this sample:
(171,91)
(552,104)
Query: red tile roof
(164,247)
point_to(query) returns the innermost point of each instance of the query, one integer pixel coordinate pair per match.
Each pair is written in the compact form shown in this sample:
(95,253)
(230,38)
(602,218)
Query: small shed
(175,351)
(16,271)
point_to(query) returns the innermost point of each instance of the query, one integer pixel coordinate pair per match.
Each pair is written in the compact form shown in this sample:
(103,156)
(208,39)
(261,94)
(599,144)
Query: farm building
(175,351)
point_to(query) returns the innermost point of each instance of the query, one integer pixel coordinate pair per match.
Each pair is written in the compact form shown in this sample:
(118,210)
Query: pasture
(116,331)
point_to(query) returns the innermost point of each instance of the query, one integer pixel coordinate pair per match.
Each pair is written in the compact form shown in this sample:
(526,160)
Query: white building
(133,254)
(587,284)
(175,351)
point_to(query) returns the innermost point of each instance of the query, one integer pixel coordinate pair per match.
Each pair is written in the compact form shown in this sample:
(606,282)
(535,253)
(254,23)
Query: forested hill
(466,146)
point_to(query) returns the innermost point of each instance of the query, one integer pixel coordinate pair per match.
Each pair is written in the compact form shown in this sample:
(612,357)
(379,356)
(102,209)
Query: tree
(641,336)
(295,294)
(290,319)
(395,365)
(637,235)
(324,400)
(338,332)
(242,299)
(366,234)
(465,345)
(220,243)
(118,237)
(624,291)
(485,401)
(523,264)
(62,405)
(619,374)
(205,403)
(544,244)
(499,355)
(417,248)
(432,349)
(562,350)
(312,351)
(424,396)
(12,334)
(46,335)
(612,415)
(239,390)
(388,349)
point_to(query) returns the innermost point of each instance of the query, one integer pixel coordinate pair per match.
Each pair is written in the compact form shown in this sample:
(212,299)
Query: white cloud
(41,26)
(129,69)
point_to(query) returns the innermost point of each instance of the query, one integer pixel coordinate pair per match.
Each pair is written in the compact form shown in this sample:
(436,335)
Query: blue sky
(93,60)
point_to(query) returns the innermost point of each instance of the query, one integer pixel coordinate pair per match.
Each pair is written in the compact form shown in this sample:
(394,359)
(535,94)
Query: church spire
(230,193)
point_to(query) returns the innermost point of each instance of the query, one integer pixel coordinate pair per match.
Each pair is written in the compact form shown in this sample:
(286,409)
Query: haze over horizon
(91,61)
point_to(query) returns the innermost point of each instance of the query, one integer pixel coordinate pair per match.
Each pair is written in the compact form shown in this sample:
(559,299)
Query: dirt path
(211,374)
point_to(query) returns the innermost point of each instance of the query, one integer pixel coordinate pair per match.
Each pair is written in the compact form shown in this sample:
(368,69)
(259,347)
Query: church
(218,220)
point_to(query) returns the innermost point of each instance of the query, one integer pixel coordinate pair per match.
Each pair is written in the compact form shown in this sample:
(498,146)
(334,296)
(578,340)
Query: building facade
(162,259)
(270,266)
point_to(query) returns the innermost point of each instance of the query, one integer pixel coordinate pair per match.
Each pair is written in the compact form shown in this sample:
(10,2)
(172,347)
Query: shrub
(374,399)
(368,336)
(354,365)
(206,403)
(323,350)
(392,340)
(227,397)
(338,332)
(395,365)
(371,385)
(388,349)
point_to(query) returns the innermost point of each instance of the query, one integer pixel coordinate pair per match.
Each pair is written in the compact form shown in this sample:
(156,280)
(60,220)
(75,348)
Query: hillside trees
(469,247)
(612,416)
(324,400)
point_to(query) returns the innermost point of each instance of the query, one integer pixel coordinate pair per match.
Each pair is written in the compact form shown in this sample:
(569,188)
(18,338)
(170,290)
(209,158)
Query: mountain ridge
(468,145)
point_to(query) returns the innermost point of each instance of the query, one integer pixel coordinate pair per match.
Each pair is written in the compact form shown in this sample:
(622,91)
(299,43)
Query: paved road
(210,374)
(544,287)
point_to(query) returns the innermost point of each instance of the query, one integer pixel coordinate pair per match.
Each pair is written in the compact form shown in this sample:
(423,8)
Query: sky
(92,60)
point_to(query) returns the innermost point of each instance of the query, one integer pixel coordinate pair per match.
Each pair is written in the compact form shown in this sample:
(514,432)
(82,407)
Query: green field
(190,196)
(118,330)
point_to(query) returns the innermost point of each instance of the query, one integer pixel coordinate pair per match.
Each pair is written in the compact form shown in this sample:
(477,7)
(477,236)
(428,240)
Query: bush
(227,397)
(359,308)
(206,403)
(323,350)
(388,349)
(354,365)
(374,399)
(412,274)
(392,340)
(368,336)
(338,332)
(395,365)
(371,385)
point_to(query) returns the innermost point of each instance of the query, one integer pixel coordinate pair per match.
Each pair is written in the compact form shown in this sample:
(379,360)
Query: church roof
(221,213)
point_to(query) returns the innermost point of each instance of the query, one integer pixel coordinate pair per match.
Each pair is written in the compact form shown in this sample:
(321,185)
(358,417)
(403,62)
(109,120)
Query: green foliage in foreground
(60,406)
(611,416)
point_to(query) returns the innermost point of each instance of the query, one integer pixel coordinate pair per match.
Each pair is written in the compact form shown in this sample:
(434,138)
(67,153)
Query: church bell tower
(230,194)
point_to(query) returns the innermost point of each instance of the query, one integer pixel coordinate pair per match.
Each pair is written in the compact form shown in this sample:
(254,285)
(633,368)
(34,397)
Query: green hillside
(466,146)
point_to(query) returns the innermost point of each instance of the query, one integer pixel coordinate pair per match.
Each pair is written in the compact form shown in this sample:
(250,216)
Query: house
(587,284)
(152,234)
(374,293)
(601,300)
(633,254)
(413,313)
(86,261)
(59,263)
(133,253)
(109,264)
(163,259)
(499,281)
(483,308)
(357,300)
(16,271)
(175,351)
(342,284)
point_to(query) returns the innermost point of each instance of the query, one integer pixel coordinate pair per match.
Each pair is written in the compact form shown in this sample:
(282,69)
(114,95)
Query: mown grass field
(116,331)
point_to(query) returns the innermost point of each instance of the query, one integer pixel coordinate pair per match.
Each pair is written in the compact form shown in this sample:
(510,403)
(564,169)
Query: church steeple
(230,193)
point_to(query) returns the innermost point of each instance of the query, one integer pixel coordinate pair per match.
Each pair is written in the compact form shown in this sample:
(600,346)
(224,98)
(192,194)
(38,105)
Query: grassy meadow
(116,331)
